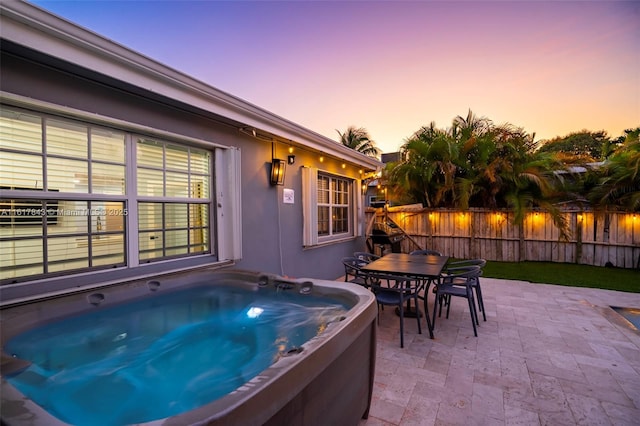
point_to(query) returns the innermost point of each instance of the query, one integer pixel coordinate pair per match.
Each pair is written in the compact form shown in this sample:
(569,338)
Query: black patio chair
(476,283)
(395,290)
(457,282)
(366,256)
(352,272)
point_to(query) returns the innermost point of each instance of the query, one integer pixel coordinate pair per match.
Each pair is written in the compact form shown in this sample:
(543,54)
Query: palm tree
(477,164)
(620,182)
(476,145)
(509,172)
(465,128)
(359,140)
(427,173)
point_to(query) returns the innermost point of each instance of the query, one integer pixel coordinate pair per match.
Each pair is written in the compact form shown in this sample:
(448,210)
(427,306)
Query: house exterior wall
(271,230)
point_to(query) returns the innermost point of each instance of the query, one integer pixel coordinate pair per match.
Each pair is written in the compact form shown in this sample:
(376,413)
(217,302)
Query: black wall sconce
(277,172)
(291,159)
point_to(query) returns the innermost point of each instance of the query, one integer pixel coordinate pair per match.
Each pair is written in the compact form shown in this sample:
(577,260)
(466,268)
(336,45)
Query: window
(173,207)
(68,188)
(333,206)
(330,207)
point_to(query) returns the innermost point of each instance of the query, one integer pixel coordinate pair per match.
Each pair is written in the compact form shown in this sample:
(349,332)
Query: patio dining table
(426,268)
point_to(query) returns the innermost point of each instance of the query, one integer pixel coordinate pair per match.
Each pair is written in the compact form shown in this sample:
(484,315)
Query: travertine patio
(547,355)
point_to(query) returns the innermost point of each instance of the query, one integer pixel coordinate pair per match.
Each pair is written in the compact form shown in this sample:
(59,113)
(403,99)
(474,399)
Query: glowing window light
(254,312)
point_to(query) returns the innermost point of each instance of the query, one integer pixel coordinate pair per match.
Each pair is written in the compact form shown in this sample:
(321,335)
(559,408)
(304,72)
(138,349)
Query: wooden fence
(595,238)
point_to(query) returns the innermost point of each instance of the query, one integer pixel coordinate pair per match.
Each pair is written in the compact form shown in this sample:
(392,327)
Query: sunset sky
(551,67)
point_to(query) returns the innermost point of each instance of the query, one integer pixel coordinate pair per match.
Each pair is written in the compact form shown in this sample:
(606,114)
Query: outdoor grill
(387,234)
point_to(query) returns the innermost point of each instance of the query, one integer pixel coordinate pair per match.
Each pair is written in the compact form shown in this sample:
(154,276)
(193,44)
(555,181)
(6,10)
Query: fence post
(430,227)
(521,248)
(472,237)
(579,220)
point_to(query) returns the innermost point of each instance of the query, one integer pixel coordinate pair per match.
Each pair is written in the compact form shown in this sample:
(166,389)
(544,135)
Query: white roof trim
(33,27)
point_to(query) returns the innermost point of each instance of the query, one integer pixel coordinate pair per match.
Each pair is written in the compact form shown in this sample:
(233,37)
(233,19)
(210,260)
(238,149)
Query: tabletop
(424,266)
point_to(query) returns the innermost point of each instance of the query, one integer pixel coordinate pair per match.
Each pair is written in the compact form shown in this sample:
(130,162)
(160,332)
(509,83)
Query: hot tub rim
(361,314)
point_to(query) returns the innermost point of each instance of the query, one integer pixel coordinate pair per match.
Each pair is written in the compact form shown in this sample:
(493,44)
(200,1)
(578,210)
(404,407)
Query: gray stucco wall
(265,216)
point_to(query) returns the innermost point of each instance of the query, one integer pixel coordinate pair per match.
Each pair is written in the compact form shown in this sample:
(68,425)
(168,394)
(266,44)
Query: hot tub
(326,379)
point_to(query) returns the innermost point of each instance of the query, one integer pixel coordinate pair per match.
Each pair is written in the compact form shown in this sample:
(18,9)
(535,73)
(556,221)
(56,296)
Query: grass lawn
(566,274)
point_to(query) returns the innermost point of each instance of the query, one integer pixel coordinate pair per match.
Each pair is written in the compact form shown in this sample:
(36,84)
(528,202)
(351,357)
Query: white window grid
(334,205)
(42,196)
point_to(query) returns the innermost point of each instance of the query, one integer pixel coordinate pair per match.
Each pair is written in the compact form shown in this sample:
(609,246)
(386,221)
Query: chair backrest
(352,265)
(461,274)
(365,256)
(468,262)
(426,252)
(385,281)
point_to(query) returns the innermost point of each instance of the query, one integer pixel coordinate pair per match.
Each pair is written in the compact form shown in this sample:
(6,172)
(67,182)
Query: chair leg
(475,311)
(480,301)
(426,314)
(401,325)
(435,310)
(447,303)
(472,309)
(418,314)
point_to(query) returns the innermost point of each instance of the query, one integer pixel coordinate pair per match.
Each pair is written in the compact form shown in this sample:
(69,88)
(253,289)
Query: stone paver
(547,355)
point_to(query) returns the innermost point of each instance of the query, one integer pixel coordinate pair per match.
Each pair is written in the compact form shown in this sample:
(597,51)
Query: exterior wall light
(291,159)
(277,171)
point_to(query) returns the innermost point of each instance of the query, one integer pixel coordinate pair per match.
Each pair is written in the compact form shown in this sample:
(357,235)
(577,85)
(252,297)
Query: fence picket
(595,238)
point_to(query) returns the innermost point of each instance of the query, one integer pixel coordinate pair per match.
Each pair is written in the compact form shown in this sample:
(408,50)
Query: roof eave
(33,27)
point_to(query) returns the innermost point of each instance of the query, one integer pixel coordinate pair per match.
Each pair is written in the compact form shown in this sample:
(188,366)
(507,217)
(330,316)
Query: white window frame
(165,199)
(225,208)
(310,237)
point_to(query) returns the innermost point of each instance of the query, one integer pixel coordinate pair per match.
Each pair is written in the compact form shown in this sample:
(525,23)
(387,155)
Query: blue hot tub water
(162,356)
